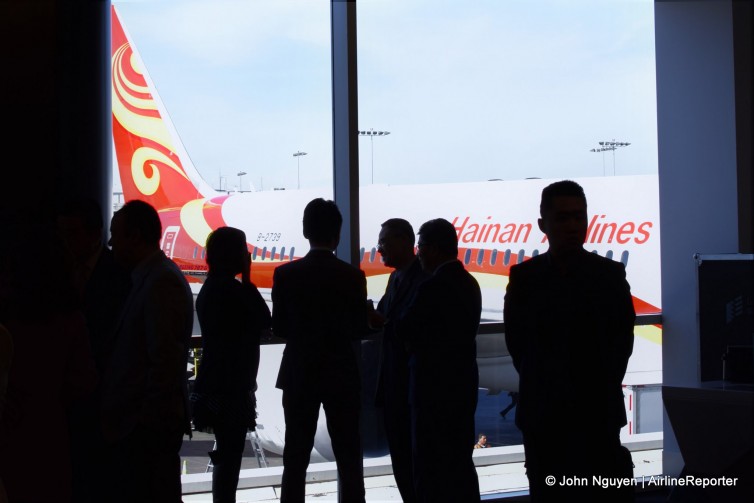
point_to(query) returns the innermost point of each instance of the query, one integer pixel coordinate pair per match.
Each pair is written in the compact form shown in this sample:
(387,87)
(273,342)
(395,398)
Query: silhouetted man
(569,321)
(396,245)
(102,286)
(440,330)
(319,308)
(144,388)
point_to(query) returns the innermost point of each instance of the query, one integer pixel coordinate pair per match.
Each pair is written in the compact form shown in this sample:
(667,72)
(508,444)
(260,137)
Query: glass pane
(222,117)
(487,102)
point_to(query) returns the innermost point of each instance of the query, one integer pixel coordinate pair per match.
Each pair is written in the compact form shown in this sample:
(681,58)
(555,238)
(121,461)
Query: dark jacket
(393,373)
(440,329)
(570,336)
(319,308)
(232,316)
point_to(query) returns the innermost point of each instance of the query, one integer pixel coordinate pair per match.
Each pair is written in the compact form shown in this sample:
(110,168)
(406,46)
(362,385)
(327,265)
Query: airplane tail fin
(152,161)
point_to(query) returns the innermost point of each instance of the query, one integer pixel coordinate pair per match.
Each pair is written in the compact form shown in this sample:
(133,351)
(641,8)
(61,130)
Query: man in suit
(319,308)
(102,286)
(396,245)
(144,388)
(440,330)
(569,321)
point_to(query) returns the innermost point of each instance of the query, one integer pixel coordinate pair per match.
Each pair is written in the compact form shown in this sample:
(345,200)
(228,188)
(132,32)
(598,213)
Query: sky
(469,90)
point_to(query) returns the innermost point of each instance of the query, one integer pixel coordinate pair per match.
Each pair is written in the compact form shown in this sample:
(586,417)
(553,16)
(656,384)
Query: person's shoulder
(284,269)
(531,264)
(174,270)
(166,274)
(349,270)
(470,279)
(601,263)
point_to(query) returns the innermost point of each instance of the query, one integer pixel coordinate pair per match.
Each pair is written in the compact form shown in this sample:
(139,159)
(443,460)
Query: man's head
(438,243)
(322,222)
(227,252)
(396,242)
(563,216)
(135,233)
(80,226)
(482,439)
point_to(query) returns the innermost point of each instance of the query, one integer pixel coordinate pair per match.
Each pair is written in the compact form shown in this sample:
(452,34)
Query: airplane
(496,223)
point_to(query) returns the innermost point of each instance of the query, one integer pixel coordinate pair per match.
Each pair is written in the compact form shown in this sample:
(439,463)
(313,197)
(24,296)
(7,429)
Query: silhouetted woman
(232,315)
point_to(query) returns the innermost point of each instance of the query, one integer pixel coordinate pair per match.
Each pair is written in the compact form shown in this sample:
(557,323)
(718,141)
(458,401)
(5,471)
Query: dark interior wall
(743,21)
(30,137)
(84,108)
(55,93)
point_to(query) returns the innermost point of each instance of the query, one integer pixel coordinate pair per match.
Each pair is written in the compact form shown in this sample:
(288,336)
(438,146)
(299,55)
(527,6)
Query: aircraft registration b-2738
(496,223)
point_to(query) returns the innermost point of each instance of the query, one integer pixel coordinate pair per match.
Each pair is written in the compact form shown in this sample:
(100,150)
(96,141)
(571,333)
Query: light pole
(371,134)
(607,146)
(240,175)
(298,155)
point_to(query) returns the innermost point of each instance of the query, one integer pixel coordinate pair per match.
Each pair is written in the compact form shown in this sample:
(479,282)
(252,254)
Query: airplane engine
(373,439)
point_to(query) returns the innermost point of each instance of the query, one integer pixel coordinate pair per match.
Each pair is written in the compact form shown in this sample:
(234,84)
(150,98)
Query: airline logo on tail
(149,152)
(141,139)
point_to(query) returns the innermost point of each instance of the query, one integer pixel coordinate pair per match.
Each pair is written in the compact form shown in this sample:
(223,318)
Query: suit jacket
(105,293)
(232,316)
(393,372)
(319,308)
(570,336)
(440,328)
(145,383)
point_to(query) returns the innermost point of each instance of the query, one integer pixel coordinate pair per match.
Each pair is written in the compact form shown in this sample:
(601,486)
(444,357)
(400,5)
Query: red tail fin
(152,163)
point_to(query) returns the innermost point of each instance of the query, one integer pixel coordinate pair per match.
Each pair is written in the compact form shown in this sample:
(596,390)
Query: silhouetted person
(102,287)
(232,315)
(144,389)
(569,322)
(319,308)
(440,329)
(396,245)
(52,365)
(509,407)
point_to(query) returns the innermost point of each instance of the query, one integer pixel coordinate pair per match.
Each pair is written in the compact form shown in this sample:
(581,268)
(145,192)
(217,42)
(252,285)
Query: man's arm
(258,308)
(167,312)
(624,318)
(512,318)
(412,329)
(279,307)
(359,308)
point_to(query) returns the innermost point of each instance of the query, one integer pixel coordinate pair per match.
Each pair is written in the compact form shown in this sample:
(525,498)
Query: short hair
(85,209)
(567,188)
(482,435)
(400,227)
(322,220)
(442,234)
(141,216)
(222,248)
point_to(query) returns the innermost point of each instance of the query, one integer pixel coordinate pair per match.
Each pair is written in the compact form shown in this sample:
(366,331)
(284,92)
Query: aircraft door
(169,237)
